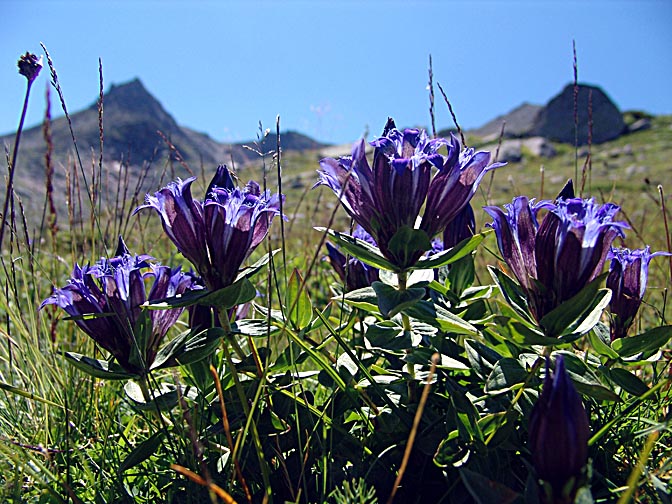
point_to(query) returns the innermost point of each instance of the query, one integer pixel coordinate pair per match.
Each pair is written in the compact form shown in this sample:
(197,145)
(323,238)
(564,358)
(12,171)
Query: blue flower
(559,433)
(216,235)
(105,300)
(628,275)
(554,260)
(389,195)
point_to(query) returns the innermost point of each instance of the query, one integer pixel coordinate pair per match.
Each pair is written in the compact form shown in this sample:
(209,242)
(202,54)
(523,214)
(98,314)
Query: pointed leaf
(575,316)
(406,243)
(512,292)
(507,374)
(107,370)
(599,340)
(237,293)
(297,302)
(256,267)
(391,301)
(364,299)
(648,342)
(162,399)
(360,249)
(445,257)
(439,317)
(142,451)
(628,381)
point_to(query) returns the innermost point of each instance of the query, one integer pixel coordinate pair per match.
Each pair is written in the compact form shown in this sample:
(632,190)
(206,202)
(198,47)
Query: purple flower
(219,233)
(554,260)
(353,273)
(29,66)
(106,301)
(463,226)
(389,195)
(628,274)
(559,433)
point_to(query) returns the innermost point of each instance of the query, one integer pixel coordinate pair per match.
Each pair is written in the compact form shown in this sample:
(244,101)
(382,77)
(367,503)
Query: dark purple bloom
(388,196)
(106,301)
(353,273)
(554,260)
(454,185)
(219,233)
(559,433)
(29,66)
(628,275)
(463,226)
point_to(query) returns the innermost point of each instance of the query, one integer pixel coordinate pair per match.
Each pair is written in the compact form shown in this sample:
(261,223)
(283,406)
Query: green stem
(226,325)
(144,388)
(402,278)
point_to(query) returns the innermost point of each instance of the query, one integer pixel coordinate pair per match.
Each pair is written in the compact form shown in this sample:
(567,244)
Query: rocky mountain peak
(556,119)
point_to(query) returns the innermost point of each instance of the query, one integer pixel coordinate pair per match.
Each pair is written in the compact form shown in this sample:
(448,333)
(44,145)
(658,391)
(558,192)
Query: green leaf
(512,292)
(297,302)
(237,293)
(391,301)
(142,333)
(445,257)
(256,267)
(389,336)
(599,339)
(481,357)
(487,491)
(360,249)
(406,242)
(628,381)
(525,335)
(648,342)
(255,328)
(439,317)
(507,374)
(364,299)
(162,399)
(107,370)
(578,314)
(142,451)
(188,348)
(585,380)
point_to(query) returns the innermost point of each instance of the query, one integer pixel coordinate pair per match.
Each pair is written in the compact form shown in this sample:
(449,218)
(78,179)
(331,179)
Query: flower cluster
(388,196)
(216,235)
(553,260)
(105,301)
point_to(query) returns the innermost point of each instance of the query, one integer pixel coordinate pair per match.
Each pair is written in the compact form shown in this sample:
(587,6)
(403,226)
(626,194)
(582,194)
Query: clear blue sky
(332,69)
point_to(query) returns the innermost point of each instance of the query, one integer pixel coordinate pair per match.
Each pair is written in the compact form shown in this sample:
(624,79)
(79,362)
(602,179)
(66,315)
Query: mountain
(137,131)
(555,120)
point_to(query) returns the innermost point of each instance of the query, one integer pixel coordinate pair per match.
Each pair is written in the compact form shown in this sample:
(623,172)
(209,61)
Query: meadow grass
(326,416)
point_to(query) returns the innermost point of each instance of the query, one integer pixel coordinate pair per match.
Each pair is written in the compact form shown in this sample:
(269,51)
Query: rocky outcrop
(556,120)
(519,123)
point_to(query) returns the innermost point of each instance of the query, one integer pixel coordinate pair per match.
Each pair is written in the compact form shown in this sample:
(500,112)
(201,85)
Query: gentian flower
(219,233)
(106,301)
(554,260)
(463,226)
(388,196)
(558,434)
(628,275)
(353,273)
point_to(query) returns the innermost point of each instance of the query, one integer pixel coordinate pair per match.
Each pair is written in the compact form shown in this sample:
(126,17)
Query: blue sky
(335,69)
